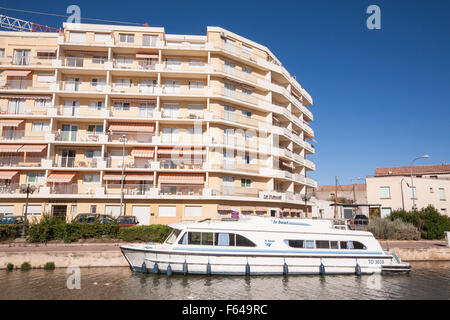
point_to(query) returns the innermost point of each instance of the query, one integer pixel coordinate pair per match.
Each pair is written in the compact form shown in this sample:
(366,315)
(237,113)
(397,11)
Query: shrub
(429,221)
(25,266)
(392,229)
(9,267)
(152,233)
(49,266)
(8,232)
(48,228)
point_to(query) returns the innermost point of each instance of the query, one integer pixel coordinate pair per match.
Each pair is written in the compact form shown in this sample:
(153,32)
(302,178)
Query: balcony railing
(9,135)
(173,164)
(237,191)
(235,166)
(191,190)
(128,189)
(24,85)
(23,110)
(132,137)
(182,114)
(20,161)
(64,188)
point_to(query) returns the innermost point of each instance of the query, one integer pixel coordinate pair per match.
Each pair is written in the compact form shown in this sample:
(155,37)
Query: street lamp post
(413,193)
(123,139)
(401,191)
(26,188)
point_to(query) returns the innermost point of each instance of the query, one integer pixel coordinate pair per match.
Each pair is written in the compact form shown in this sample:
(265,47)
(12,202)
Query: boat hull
(207,263)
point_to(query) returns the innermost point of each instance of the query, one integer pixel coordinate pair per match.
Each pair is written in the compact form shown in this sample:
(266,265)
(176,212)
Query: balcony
(236,166)
(64,188)
(182,114)
(237,51)
(79,86)
(35,61)
(237,192)
(128,189)
(132,137)
(75,136)
(185,90)
(181,139)
(178,190)
(20,161)
(72,162)
(22,110)
(180,165)
(28,84)
(233,94)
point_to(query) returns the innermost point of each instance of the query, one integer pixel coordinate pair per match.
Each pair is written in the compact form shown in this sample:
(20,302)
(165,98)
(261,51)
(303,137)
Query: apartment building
(185,127)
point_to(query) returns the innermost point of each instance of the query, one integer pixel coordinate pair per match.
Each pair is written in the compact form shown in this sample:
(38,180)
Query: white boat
(263,246)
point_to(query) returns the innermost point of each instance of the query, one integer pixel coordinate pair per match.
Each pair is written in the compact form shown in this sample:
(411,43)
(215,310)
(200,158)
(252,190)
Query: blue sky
(381,97)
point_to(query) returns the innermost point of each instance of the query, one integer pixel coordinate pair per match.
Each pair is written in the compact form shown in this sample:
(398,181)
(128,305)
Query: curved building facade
(174,127)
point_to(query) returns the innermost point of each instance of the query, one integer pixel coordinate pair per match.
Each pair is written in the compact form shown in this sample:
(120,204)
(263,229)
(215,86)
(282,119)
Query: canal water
(427,280)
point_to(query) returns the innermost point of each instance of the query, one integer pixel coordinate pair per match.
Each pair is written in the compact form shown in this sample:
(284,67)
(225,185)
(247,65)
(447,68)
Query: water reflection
(428,280)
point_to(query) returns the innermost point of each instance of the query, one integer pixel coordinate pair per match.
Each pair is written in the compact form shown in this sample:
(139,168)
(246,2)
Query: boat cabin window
(296,243)
(242,241)
(173,236)
(309,244)
(334,244)
(215,239)
(322,244)
(352,245)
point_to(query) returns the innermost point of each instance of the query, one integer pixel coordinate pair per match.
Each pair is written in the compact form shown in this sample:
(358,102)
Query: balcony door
(69,132)
(21,57)
(171,110)
(71,108)
(148,86)
(66,158)
(170,135)
(229,67)
(16,106)
(172,86)
(229,90)
(228,137)
(146,110)
(229,113)
(228,160)
(73,84)
(227,186)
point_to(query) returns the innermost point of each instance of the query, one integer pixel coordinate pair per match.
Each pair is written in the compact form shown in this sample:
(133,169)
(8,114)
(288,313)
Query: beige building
(392,188)
(200,125)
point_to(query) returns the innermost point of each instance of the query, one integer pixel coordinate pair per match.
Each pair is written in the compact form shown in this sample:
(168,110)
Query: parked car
(93,217)
(12,220)
(126,221)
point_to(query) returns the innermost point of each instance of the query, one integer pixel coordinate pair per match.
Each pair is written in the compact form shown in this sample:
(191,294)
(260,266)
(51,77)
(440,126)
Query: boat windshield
(173,236)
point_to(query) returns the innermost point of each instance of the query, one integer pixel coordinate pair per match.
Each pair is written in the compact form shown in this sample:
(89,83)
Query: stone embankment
(109,255)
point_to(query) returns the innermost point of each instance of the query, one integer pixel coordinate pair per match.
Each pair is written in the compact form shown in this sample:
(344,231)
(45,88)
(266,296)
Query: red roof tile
(406,171)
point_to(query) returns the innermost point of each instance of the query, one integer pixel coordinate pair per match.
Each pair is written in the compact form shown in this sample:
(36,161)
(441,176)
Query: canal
(427,280)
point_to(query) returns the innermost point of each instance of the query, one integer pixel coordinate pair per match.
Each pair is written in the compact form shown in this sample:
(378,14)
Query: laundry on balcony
(10,122)
(143,153)
(132,127)
(33,148)
(61,177)
(7,175)
(16,73)
(181,179)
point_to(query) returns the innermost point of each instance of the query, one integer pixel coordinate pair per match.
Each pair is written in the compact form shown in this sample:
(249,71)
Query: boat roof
(265,224)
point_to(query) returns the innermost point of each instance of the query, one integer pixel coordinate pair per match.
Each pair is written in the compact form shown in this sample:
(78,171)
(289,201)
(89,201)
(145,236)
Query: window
(40,127)
(191,211)
(113,211)
(99,59)
(170,135)
(196,63)
(309,244)
(195,85)
(385,212)
(229,89)
(98,82)
(96,105)
(246,92)
(334,244)
(322,244)
(73,209)
(6,210)
(242,241)
(224,239)
(296,243)
(207,239)
(385,193)
(441,194)
(121,106)
(2,53)
(93,209)
(116,154)
(246,70)
(101,37)
(35,177)
(33,210)
(246,183)
(126,37)
(195,110)
(45,77)
(246,49)
(95,129)
(93,154)
(167,211)
(444,211)
(125,59)
(194,238)
(246,158)
(173,236)
(195,131)
(149,40)
(91,178)
(77,37)
(173,63)
(171,86)
(21,57)
(413,193)
(42,103)
(352,245)
(123,83)
(246,114)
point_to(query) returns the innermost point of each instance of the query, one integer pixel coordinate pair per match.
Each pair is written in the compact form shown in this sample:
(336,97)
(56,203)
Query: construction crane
(23,25)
